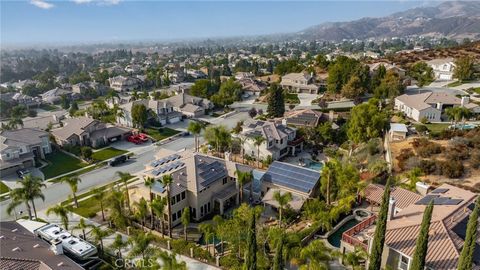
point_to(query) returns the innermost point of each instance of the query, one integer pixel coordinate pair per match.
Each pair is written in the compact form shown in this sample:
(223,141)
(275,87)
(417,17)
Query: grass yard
(87,208)
(48,107)
(3,188)
(162,133)
(107,153)
(454,84)
(60,163)
(436,128)
(292,98)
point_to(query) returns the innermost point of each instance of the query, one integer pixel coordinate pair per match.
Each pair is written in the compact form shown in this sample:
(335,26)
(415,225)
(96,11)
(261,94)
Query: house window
(201,211)
(178,197)
(208,207)
(179,213)
(224,180)
(403,263)
(270,143)
(174,216)
(173,200)
(183,195)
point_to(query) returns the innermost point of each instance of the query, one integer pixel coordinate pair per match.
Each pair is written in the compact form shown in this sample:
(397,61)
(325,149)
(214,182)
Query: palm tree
(207,230)
(29,190)
(140,243)
(355,258)
(98,234)
(15,122)
(257,141)
(242,143)
(220,229)
(167,180)
(82,225)
(99,194)
(316,256)
(111,95)
(150,182)
(282,200)
(195,128)
(328,173)
(185,220)
(115,202)
(158,207)
(118,244)
(124,177)
(62,212)
(142,210)
(170,261)
(73,183)
(242,179)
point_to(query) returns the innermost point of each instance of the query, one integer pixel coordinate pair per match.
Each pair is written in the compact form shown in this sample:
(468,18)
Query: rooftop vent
(36,245)
(16,249)
(14,230)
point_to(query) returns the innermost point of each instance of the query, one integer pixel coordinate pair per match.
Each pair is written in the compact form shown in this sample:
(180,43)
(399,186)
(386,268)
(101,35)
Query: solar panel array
(209,172)
(167,168)
(290,176)
(164,160)
(304,118)
(440,190)
(438,200)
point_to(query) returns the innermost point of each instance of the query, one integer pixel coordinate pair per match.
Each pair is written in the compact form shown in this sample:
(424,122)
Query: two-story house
(299,83)
(85,131)
(279,139)
(205,184)
(19,148)
(122,83)
(442,68)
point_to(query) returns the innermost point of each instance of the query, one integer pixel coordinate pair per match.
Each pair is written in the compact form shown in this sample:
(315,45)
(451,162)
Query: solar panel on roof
(426,200)
(290,176)
(440,190)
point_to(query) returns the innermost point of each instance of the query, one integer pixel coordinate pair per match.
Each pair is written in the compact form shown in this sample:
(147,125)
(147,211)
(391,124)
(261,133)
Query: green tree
(378,76)
(82,225)
(421,246)
(64,102)
(124,177)
(464,68)
(355,258)
(282,200)
(208,233)
(316,256)
(139,115)
(219,137)
(390,86)
(278,263)
(141,210)
(98,235)
(100,195)
(72,182)
(30,188)
(353,88)
(230,91)
(195,128)
(276,101)
(62,212)
(251,255)
(158,207)
(257,141)
(185,220)
(73,108)
(118,244)
(170,261)
(140,243)
(466,256)
(167,181)
(86,152)
(367,121)
(115,203)
(242,179)
(380,229)
(422,73)
(203,88)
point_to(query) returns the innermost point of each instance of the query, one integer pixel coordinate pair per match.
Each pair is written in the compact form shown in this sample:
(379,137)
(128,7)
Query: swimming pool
(334,238)
(314,165)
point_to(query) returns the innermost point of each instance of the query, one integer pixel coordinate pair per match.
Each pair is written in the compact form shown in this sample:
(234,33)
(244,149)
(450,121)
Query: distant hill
(450,19)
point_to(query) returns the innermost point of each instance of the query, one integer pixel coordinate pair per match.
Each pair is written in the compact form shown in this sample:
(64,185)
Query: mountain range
(455,19)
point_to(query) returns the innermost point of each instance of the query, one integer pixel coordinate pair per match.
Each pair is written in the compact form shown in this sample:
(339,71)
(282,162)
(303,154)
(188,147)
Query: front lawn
(161,133)
(60,163)
(107,153)
(454,84)
(3,188)
(292,98)
(436,128)
(87,208)
(48,107)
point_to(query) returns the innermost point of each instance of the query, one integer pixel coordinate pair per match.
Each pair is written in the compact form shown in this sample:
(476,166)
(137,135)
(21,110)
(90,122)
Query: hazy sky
(78,21)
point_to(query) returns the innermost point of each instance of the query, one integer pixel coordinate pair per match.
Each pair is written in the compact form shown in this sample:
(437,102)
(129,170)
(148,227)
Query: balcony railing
(348,236)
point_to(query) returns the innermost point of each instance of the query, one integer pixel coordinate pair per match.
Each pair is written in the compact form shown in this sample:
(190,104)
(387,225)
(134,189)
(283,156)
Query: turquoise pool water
(314,165)
(334,238)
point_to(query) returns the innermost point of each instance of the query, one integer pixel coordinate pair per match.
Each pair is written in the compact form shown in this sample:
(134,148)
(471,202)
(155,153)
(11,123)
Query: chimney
(422,188)
(227,156)
(284,121)
(57,247)
(439,106)
(391,208)
(465,101)
(331,115)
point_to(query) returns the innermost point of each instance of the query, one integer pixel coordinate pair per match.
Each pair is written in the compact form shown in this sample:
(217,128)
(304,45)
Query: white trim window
(403,263)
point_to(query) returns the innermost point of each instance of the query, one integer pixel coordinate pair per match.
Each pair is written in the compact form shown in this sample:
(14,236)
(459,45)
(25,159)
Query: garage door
(174,120)
(445,77)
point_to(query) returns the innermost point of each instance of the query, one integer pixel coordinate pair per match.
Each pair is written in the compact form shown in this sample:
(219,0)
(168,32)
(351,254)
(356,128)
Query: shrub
(404,155)
(452,168)
(426,148)
(475,159)
(428,166)
(230,261)
(421,128)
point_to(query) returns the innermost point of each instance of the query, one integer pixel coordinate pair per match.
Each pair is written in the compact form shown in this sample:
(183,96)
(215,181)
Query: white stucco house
(442,68)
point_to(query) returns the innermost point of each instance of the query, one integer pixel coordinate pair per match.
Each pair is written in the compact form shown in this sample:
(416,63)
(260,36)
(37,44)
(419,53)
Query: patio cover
(296,203)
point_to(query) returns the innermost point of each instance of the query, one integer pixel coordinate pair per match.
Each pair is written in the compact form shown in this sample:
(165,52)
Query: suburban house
(452,209)
(85,131)
(279,139)
(122,83)
(169,110)
(55,95)
(307,118)
(299,83)
(442,68)
(19,148)
(301,182)
(26,100)
(83,87)
(431,105)
(251,86)
(398,70)
(205,184)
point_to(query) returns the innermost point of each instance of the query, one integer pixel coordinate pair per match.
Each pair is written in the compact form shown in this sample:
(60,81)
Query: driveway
(306,99)
(11,180)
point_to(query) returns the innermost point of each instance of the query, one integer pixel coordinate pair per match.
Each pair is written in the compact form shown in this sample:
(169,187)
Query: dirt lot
(471,178)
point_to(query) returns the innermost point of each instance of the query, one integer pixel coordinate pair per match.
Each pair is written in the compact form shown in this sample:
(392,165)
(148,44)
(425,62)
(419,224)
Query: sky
(90,21)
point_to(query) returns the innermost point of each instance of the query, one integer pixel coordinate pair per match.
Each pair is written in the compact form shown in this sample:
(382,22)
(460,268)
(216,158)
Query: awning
(296,203)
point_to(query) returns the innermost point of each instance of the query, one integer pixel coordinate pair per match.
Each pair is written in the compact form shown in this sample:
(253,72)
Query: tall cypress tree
(381,227)
(251,256)
(421,246)
(466,257)
(276,102)
(278,259)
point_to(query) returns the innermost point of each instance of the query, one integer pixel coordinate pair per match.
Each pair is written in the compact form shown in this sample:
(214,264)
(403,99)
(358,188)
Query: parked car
(143,137)
(118,160)
(134,139)
(22,172)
